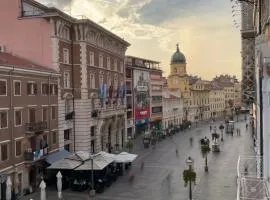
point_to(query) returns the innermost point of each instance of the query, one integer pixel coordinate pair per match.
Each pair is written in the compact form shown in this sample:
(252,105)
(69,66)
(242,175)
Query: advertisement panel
(141,96)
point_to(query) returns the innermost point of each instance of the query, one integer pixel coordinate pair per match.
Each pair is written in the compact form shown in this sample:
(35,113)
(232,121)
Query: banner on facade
(141,95)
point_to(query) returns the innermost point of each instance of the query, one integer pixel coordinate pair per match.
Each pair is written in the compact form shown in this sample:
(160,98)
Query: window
(54,137)
(93,128)
(17,88)
(156,109)
(109,80)
(115,65)
(4,152)
(100,61)
(44,89)
(32,115)
(65,56)
(31,88)
(4,119)
(54,112)
(92,58)
(44,114)
(101,79)
(18,117)
(121,67)
(3,87)
(66,134)
(53,89)
(108,63)
(92,81)
(18,148)
(67,79)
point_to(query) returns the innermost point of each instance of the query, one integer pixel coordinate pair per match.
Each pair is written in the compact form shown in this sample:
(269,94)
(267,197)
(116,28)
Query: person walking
(210,128)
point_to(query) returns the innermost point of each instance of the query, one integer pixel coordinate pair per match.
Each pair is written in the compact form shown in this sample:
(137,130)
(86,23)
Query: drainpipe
(73,87)
(49,103)
(11,115)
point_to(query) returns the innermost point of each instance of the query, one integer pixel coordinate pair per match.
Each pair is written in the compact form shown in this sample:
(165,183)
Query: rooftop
(10,60)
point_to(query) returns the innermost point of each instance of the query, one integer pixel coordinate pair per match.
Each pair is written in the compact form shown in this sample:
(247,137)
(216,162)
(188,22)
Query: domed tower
(178,63)
(178,78)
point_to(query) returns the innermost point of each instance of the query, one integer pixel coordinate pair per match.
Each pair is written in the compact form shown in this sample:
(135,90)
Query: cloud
(153,27)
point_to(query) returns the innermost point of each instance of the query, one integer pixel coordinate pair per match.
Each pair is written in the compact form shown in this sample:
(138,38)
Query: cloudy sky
(203,28)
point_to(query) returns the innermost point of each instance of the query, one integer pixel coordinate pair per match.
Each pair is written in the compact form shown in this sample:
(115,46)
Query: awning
(100,161)
(52,158)
(125,157)
(65,164)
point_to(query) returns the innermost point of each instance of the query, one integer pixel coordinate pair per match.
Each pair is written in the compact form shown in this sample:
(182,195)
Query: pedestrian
(246,126)
(142,165)
(210,128)
(176,152)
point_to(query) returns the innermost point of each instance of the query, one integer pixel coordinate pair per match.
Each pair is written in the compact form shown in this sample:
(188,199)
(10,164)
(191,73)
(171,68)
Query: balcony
(70,115)
(32,156)
(35,127)
(250,184)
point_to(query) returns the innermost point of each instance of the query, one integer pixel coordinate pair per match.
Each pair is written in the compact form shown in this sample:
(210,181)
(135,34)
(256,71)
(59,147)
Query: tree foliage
(205,149)
(130,145)
(189,174)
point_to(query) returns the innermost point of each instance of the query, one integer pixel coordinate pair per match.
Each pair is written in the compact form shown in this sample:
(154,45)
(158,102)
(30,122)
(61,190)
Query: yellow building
(193,89)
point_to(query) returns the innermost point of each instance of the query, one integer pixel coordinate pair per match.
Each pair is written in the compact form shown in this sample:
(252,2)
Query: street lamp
(189,175)
(92,191)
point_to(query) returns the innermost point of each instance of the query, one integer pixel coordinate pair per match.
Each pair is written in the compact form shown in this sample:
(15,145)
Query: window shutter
(35,88)
(28,88)
(56,89)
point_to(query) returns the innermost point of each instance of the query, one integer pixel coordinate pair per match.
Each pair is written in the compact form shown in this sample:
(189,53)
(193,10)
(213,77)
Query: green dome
(178,57)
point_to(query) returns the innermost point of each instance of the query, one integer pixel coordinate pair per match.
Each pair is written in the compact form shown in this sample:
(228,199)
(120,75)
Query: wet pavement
(162,179)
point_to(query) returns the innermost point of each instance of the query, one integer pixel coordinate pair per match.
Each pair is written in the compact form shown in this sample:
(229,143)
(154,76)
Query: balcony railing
(35,127)
(250,185)
(31,156)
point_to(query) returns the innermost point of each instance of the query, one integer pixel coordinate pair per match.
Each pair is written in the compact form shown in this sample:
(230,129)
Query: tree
(230,102)
(189,175)
(221,128)
(205,149)
(130,145)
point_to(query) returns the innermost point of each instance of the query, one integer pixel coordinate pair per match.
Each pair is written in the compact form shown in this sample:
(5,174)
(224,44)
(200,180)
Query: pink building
(90,60)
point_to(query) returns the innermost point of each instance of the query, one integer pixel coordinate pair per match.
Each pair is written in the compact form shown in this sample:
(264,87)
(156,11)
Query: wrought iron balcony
(32,156)
(250,184)
(35,127)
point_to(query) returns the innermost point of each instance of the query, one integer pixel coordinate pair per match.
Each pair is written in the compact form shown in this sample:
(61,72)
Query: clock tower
(178,78)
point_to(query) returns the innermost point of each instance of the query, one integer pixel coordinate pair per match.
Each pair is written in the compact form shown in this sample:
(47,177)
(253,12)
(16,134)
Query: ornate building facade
(91,101)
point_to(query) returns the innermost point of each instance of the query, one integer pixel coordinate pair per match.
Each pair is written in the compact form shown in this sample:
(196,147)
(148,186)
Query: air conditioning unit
(2,48)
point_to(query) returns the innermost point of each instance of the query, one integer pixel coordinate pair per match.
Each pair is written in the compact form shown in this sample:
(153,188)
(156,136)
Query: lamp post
(189,175)
(92,191)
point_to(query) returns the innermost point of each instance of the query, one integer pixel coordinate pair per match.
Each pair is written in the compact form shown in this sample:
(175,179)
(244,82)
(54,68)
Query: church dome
(178,57)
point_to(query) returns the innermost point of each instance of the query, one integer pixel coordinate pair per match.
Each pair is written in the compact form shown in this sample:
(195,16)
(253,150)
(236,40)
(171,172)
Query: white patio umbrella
(59,184)
(8,189)
(42,190)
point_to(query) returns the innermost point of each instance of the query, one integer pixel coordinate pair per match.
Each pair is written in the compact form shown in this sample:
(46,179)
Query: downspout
(49,103)
(11,115)
(73,89)
(261,121)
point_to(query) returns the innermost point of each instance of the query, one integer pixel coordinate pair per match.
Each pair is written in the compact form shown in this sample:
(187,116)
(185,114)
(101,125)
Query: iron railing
(250,184)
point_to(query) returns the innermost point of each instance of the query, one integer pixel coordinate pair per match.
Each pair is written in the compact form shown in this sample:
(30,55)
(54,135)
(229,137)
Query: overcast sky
(203,28)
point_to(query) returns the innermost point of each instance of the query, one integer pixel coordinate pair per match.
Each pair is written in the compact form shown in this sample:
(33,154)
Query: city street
(162,179)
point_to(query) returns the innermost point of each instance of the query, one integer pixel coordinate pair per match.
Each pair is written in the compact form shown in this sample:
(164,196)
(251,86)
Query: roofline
(53,12)
(153,61)
(144,68)
(4,67)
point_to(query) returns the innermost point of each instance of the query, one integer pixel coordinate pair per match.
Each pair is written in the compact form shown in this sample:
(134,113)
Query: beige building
(173,105)
(216,100)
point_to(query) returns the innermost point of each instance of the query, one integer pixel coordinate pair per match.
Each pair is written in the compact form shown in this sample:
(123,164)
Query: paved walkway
(162,176)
